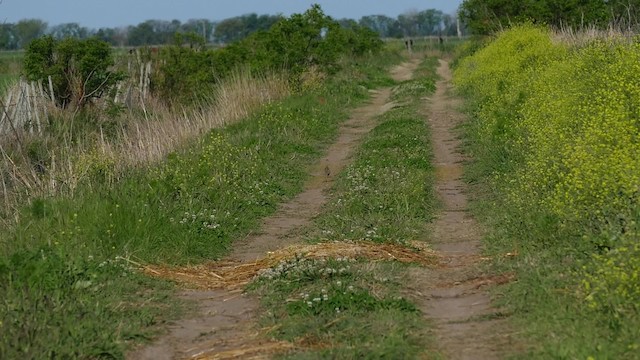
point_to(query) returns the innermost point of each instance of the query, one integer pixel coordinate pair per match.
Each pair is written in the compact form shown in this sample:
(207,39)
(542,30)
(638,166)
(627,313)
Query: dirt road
(224,327)
(455,296)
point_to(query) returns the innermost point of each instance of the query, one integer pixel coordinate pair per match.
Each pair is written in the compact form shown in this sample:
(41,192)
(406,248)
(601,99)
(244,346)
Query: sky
(115,13)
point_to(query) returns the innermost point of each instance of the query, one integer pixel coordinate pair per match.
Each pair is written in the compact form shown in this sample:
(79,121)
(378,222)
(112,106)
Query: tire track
(224,326)
(455,296)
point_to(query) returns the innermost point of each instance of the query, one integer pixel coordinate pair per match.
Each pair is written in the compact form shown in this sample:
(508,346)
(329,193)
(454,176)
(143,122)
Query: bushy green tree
(80,70)
(28,30)
(309,39)
(293,44)
(187,70)
(8,38)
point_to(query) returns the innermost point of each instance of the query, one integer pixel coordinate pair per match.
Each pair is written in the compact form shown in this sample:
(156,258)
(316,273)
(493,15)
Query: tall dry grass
(582,36)
(148,137)
(233,99)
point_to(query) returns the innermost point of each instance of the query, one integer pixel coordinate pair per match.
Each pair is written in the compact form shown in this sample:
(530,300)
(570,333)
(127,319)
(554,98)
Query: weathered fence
(25,107)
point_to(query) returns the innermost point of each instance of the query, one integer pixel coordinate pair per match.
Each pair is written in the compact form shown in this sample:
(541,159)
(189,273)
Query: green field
(10,67)
(11,62)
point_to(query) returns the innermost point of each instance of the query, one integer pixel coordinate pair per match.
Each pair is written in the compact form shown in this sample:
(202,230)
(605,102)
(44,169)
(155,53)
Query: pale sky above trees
(113,13)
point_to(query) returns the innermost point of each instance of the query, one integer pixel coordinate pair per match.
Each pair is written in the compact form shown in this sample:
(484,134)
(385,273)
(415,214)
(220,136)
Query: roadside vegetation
(354,308)
(554,137)
(69,259)
(489,16)
(110,115)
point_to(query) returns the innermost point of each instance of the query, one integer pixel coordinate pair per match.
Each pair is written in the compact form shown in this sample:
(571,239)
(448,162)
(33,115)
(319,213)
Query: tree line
(18,35)
(487,16)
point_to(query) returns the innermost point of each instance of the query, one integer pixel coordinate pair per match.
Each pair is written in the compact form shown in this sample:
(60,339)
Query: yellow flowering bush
(498,79)
(580,129)
(613,284)
(558,131)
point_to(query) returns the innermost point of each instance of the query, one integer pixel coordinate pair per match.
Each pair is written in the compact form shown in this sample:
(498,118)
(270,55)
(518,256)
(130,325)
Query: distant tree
(409,23)
(120,36)
(153,32)
(229,30)
(384,25)
(168,30)
(449,25)
(429,22)
(239,27)
(202,27)
(142,34)
(107,35)
(8,37)
(69,30)
(28,30)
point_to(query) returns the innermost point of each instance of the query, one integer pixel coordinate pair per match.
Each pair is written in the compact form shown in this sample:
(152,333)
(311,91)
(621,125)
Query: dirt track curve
(224,325)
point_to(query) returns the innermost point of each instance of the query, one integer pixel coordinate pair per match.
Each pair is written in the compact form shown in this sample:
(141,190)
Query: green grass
(545,304)
(58,305)
(386,194)
(64,288)
(339,312)
(356,310)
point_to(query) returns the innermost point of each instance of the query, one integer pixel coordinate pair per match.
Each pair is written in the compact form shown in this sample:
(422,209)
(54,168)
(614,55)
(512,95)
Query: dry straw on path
(234,275)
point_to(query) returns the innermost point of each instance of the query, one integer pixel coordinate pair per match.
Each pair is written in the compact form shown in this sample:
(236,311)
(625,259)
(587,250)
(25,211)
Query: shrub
(580,127)
(498,78)
(187,72)
(296,44)
(80,70)
(556,131)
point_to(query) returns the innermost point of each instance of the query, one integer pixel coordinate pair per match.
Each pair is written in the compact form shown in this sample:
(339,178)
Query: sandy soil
(224,326)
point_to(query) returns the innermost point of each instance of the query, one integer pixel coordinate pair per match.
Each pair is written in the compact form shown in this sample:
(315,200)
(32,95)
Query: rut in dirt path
(224,326)
(280,230)
(455,295)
